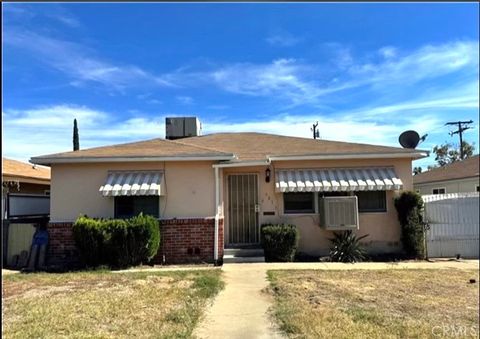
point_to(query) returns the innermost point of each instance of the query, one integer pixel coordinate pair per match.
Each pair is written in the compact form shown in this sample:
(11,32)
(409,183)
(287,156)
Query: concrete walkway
(241,309)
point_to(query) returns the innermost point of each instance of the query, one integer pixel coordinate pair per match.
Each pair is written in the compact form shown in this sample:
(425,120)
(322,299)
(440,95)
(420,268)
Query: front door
(242,209)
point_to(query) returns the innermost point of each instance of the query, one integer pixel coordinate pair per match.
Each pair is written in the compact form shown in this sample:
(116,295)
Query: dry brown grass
(106,305)
(376,304)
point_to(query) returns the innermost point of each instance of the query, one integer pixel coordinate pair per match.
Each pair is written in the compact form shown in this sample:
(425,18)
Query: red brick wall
(188,241)
(61,245)
(182,241)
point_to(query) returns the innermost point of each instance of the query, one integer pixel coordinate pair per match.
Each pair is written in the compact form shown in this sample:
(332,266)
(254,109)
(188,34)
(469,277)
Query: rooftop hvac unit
(339,213)
(177,128)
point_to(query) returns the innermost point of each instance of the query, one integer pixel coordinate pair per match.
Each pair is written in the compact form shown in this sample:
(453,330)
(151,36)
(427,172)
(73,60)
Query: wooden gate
(242,193)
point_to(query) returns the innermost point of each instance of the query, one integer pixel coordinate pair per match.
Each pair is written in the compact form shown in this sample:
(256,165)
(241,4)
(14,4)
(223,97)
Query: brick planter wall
(182,241)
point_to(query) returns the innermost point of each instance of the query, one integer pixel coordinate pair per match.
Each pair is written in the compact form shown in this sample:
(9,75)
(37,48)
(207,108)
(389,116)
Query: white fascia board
(48,161)
(242,164)
(415,155)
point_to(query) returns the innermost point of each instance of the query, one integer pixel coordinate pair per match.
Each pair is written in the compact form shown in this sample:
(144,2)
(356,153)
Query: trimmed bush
(409,206)
(89,236)
(279,242)
(116,242)
(347,247)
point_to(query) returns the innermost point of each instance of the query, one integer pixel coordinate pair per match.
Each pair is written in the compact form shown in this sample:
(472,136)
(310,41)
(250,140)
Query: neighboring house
(215,191)
(458,177)
(25,204)
(23,178)
(31,178)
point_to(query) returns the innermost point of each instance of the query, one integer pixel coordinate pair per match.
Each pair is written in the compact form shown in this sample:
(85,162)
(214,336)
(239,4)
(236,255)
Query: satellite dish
(409,139)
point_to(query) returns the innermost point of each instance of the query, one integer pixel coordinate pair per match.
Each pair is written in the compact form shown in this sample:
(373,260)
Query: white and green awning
(123,183)
(337,179)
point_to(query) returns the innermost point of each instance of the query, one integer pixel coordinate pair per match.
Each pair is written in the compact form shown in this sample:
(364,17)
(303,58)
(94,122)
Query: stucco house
(213,192)
(458,177)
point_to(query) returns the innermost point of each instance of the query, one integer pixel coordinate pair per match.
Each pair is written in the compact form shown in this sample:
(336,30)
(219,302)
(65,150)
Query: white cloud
(23,13)
(427,62)
(79,63)
(388,52)
(283,77)
(48,129)
(283,39)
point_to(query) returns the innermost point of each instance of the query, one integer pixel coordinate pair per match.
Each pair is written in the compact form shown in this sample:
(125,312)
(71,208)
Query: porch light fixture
(267,174)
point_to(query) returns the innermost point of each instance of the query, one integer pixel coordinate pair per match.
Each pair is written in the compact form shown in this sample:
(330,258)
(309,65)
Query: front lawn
(103,304)
(376,304)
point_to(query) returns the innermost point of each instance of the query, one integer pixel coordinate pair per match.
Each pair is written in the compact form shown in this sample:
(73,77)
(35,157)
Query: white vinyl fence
(454,224)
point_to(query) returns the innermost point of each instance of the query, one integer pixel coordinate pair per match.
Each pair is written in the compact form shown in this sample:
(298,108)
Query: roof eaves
(60,160)
(444,179)
(416,155)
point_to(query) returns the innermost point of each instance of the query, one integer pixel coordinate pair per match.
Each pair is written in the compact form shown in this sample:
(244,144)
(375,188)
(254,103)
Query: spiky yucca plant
(347,248)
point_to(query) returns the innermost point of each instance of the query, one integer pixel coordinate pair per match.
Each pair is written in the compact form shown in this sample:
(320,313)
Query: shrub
(116,242)
(279,242)
(409,206)
(347,247)
(89,238)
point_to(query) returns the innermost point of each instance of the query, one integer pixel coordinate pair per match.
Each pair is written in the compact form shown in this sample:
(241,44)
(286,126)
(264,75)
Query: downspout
(217,202)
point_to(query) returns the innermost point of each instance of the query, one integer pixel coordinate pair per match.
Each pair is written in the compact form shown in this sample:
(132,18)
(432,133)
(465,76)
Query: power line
(462,126)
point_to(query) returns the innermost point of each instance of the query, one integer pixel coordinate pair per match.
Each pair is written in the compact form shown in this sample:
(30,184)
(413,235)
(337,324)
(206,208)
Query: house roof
(17,169)
(257,146)
(227,146)
(458,170)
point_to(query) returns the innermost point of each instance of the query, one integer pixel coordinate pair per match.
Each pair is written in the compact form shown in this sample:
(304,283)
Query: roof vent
(177,128)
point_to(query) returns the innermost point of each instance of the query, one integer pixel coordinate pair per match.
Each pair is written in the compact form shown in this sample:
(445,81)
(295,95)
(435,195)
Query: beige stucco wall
(383,228)
(74,189)
(190,192)
(451,186)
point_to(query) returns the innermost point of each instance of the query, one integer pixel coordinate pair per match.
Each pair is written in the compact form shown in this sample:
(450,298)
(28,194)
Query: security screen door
(243,209)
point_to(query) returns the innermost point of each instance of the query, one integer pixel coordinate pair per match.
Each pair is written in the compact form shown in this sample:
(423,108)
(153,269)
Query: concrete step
(243,252)
(229,259)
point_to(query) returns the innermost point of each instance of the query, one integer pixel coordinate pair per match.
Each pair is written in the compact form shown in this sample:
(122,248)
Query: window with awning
(337,179)
(133,183)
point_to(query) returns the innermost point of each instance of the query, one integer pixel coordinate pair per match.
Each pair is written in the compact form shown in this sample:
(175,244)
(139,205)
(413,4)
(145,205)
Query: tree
(448,153)
(76,140)
(417,170)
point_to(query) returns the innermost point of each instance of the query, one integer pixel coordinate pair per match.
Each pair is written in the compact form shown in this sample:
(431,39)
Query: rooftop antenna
(316,132)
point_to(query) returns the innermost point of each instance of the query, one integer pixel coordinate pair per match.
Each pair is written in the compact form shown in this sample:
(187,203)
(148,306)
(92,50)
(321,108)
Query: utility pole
(462,126)
(316,133)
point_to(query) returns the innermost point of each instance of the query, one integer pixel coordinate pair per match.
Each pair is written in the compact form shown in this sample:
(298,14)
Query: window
(372,201)
(439,191)
(477,188)
(46,192)
(296,203)
(129,206)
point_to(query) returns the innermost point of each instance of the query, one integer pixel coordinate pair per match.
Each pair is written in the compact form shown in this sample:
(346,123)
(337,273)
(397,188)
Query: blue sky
(366,72)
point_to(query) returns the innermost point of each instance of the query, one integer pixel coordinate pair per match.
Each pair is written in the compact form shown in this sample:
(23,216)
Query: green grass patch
(102,304)
(375,303)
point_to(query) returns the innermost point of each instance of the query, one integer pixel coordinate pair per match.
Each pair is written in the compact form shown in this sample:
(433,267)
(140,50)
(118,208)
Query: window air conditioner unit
(339,213)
